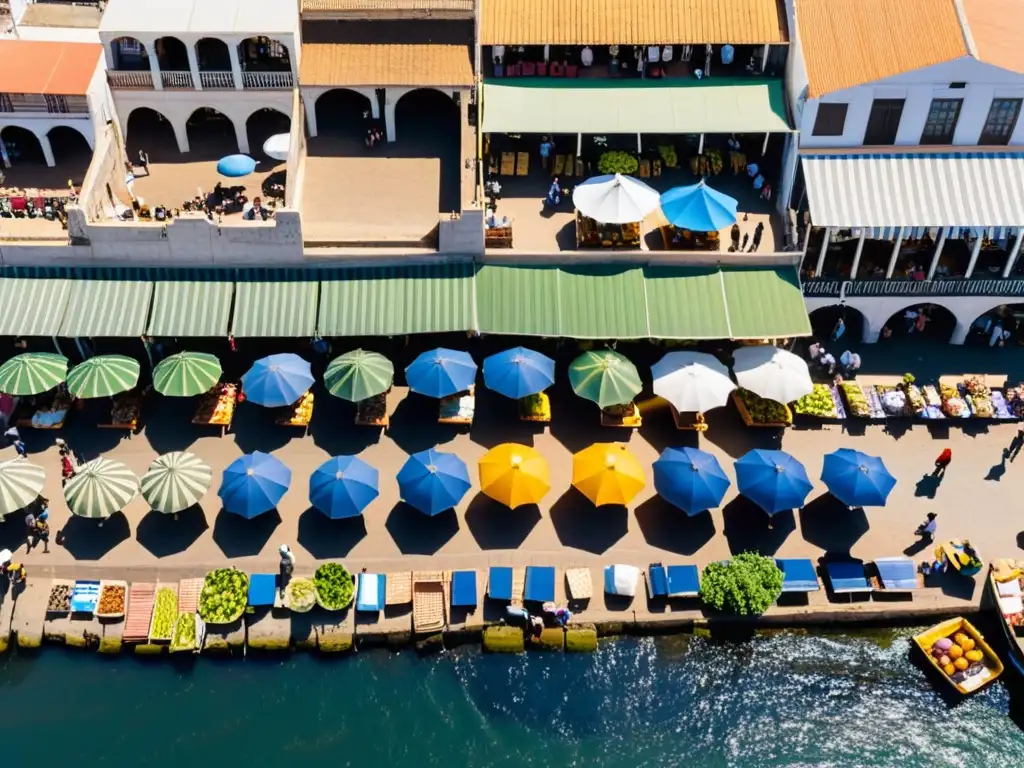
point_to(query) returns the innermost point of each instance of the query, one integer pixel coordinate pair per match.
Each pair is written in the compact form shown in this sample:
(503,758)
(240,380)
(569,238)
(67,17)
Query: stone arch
(433,110)
(261,125)
(264,54)
(128,53)
(943,323)
(824,319)
(1009,314)
(69,142)
(340,112)
(213,133)
(25,145)
(213,55)
(172,54)
(149,130)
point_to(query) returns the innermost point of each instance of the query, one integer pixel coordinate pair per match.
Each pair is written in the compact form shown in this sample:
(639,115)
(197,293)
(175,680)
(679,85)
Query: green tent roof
(107,308)
(603,303)
(32,307)
(391,301)
(518,300)
(686,303)
(765,303)
(265,310)
(191,309)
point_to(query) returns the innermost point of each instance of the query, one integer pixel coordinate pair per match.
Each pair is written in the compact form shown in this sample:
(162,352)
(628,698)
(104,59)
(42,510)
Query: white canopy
(208,17)
(772,373)
(692,381)
(615,199)
(277,146)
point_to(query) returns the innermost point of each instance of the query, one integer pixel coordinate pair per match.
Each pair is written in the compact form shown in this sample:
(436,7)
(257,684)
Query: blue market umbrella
(690,479)
(856,479)
(519,372)
(277,380)
(343,486)
(433,481)
(441,372)
(773,480)
(254,484)
(698,207)
(236,166)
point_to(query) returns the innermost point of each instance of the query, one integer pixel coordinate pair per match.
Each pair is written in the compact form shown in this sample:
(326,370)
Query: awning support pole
(823,252)
(56,344)
(858,252)
(943,232)
(764,147)
(579,144)
(639,148)
(764,58)
(700,145)
(895,253)
(1012,259)
(81,349)
(975,252)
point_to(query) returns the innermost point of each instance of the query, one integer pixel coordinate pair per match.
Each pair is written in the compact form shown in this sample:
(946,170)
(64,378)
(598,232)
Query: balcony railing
(177,79)
(217,79)
(267,79)
(129,78)
(952,286)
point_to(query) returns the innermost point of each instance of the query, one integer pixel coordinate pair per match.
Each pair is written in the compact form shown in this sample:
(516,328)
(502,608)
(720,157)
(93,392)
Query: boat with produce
(1004,590)
(335,586)
(960,654)
(224,597)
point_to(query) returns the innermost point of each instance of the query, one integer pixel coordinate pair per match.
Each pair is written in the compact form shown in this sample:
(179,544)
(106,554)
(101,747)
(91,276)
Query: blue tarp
(464,589)
(261,589)
(372,588)
(674,580)
(499,583)
(798,575)
(897,572)
(540,583)
(847,576)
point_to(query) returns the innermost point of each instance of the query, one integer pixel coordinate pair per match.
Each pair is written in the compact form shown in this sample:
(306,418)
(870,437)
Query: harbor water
(781,699)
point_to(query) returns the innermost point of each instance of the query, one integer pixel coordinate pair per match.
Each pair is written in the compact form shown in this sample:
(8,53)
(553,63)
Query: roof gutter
(965,29)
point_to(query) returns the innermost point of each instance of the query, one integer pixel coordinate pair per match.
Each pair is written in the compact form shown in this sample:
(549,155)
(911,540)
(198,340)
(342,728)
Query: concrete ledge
(581,638)
(225,638)
(551,639)
(145,649)
(268,631)
(504,640)
(430,644)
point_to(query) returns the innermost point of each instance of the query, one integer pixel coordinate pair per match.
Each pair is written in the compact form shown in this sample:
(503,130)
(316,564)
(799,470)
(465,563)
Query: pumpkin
(961,664)
(974,655)
(968,644)
(949,669)
(944,660)
(960,638)
(955,652)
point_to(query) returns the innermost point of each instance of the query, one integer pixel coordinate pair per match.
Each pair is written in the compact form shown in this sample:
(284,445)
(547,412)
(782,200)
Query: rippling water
(784,699)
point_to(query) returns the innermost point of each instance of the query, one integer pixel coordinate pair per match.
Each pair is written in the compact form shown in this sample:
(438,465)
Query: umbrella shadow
(495,526)
(239,537)
(84,539)
(659,430)
(329,414)
(576,422)
(84,438)
(497,421)
(164,535)
(169,424)
(414,426)
(748,528)
(12,531)
(325,538)
(831,525)
(670,528)
(581,525)
(727,430)
(418,534)
(254,429)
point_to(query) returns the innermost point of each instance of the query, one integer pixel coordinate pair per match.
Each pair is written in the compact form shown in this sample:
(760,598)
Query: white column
(579,145)
(181,134)
(975,252)
(858,252)
(389,116)
(895,253)
(938,252)
(639,146)
(236,65)
(823,252)
(764,147)
(44,142)
(1012,259)
(310,107)
(242,135)
(154,64)
(193,64)
(700,145)
(764,58)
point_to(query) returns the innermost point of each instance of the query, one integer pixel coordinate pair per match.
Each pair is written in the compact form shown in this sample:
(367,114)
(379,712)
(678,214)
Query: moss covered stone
(29,639)
(581,639)
(504,640)
(147,649)
(76,640)
(334,642)
(268,642)
(110,644)
(551,639)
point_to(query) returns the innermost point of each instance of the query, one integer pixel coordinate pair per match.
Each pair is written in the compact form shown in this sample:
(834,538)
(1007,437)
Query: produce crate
(116,614)
(139,616)
(85,596)
(177,646)
(749,420)
(152,638)
(290,603)
(188,595)
(70,585)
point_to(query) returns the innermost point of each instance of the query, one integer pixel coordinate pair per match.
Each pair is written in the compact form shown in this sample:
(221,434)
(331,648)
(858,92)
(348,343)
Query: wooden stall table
(676,239)
(690,420)
(498,237)
(594,234)
(48,415)
(217,407)
(751,422)
(458,408)
(508,164)
(124,412)
(299,413)
(625,416)
(535,408)
(373,412)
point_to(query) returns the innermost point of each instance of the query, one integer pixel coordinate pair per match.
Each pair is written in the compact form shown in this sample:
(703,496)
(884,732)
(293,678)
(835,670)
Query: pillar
(895,253)
(44,142)
(193,64)
(1014,252)
(700,145)
(856,256)
(389,115)
(938,252)
(242,135)
(975,252)
(181,134)
(764,147)
(236,66)
(639,145)
(375,102)
(764,58)
(823,252)
(310,107)
(154,64)
(960,332)
(579,147)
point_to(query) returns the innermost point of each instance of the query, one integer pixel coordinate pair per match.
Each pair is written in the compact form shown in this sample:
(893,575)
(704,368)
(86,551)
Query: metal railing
(267,79)
(129,78)
(953,286)
(177,79)
(217,79)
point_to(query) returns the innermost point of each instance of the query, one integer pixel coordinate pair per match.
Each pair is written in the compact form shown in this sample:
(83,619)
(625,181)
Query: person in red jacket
(943,461)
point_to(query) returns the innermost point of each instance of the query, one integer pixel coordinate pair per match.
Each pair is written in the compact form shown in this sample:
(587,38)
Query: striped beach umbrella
(176,481)
(32,373)
(605,377)
(100,488)
(103,376)
(186,374)
(359,375)
(20,483)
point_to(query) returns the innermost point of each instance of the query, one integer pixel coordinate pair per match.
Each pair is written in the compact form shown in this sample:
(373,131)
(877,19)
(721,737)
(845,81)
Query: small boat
(1010,611)
(980,673)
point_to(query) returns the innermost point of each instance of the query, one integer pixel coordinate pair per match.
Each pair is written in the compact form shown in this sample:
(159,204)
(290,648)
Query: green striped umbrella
(103,376)
(604,376)
(186,374)
(32,373)
(359,375)
(20,484)
(100,488)
(176,481)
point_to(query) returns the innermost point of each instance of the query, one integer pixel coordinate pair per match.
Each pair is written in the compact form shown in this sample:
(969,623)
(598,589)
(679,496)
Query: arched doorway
(172,55)
(264,54)
(261,125)
(427,125)
(1000,326)
(22,146)
(129,54)
(71,152)
(825,322)
(907,324)
(341,112)
(211,134)
(213,55)
(149,131)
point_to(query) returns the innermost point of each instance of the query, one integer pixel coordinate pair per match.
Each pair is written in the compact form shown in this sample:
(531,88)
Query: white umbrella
(615,199)
(772,373)
(277,146)
(692,381)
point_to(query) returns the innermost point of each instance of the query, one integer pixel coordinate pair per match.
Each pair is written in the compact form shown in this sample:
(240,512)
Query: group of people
(534,623)
(825,361)
(755,243)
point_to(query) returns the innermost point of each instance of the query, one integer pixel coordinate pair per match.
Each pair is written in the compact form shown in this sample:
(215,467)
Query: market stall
(626,416)
(299,413)
(458,408)
(124,411)
(141,596)
(609,210)
(46,411)
(758,411)
(535,408)
(823,402)
(373,411)
(607,378)
(591,233)
(217,407)
(680,239)
(689,420)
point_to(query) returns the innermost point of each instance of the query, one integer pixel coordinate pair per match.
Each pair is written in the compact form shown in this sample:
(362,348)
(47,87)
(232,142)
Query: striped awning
(32,307)
(969,189)
(107,308)
(191,309)
(265,310)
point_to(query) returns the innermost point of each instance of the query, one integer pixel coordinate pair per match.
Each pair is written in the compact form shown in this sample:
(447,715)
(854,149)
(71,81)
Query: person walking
(42,532)
(144,161)
(926,530)
(943,461)
(30,531)
(758,232)
(286,566)
(19,446)
(12,434)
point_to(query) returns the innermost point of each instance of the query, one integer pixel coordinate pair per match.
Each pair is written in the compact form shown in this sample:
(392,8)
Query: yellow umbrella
(514,475)
(607,473)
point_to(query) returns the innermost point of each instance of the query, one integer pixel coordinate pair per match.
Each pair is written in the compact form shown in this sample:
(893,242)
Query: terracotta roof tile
(347,6)
(997,27)
(59,69)
(382,65)
(631,22)
(851,42)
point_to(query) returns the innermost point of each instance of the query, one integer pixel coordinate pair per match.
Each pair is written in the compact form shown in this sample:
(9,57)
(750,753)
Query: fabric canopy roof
(265,310)
(712,105)
(32,307)
(107,308)
(964,189)
(191,309)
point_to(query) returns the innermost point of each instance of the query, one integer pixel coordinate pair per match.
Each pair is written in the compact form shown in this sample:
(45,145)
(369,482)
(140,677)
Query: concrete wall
(296,166)
(104,184)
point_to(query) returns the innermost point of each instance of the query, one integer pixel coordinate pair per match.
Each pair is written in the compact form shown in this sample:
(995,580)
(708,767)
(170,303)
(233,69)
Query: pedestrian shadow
(748,528)
(418,534)
(84,539)
(996,471)
(238,537)
(918,546)
(164,535)
(828,523)
(581,525)
(670,528)
(325,538)
(928,485)
(495,526)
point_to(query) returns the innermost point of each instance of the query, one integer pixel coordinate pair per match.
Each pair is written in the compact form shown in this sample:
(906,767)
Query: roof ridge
(965,29)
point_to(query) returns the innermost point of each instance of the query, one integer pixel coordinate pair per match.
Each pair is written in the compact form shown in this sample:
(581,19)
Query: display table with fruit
(691,420)
(822,403)
(959,652)
(626,416)
(217,407)
(124,412)
(458,408)
(594,234)
(760,412)
(1000,407)
(45,411)
(373,412)
(862,402)
(953,404)
(676,239)
(1014,399)
(299,413)
(536,408)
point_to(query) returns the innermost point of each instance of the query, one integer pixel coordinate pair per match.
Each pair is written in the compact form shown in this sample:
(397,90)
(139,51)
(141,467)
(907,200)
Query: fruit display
(224,597)
(894,401)
(915,400)
(301,411)
(300,596)
(952,405)
(763,411)
(334,586)
(536,407)
(60,598)
(165,613)
(617,162)
(111,600)
(668,155)
(184,633)
(218,405)
(817,403)
(980,398)
(931,396)
(125,409)
(957,656)
(855,399)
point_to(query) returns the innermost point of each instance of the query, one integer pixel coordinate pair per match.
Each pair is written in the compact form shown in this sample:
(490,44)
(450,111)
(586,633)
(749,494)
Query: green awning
(286,309)
(765,303)
(675,106)
(32,307)
(391,301)
(685,303)
(191,309)
(518,300)
(107,308)
(603,303)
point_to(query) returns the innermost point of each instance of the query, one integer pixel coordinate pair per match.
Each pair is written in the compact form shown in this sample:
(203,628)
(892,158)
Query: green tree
(747,584)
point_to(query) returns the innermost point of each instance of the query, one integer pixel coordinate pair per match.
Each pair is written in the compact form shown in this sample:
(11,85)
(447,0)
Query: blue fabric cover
(847,576)
(798,575)
(683,580)
(499,583)
(261,589)
(464,589)
(897,572)
(372,588)
(657,579)
(540,583)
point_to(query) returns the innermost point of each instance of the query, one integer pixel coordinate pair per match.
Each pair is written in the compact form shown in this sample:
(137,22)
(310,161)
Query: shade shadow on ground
(496,421)
(495,526)
(254,429)
(84,539)
(670,528)
(727,431)
(659,430)
(164,535)
(168,425)
(748,528)
(418,534)
(333,428)
(325,538)
(414,426)
(828,523)
(238,537)
(581,525)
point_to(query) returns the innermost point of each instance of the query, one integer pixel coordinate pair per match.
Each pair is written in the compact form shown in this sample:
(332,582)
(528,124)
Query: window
(884,121)
(1002,119)
(941,123)
(831,120)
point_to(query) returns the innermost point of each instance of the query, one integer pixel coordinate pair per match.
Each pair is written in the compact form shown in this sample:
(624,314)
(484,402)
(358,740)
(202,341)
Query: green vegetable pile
(747,584)
(185,632)
(301,595)
(617,162)
(818,403)
(224,597)
(334,586)
(165,613)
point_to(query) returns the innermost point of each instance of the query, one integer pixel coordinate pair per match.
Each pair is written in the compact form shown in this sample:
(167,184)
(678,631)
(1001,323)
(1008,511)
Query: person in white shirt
(653,54)
(666,54)
(499,54)
(586,56)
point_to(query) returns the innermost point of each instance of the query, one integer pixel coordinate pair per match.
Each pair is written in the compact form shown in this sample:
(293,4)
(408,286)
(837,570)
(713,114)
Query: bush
(747,584)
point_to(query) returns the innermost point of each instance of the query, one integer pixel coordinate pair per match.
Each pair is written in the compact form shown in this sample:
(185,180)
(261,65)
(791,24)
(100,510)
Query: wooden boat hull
(1016,652)
(994,667)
